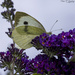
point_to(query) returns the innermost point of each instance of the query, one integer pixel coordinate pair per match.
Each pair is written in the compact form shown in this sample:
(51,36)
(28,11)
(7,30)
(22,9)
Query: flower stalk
(12,68)
(9,16)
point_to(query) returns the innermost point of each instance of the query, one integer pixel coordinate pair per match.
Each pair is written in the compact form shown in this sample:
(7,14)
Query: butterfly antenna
(53,25)
(56,30)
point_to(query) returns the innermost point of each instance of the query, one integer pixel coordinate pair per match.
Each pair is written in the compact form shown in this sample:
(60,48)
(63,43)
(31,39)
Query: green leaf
(37,74)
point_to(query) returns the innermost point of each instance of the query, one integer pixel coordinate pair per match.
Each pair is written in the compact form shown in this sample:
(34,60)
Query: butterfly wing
(26,28)
(21,17)
(23,41)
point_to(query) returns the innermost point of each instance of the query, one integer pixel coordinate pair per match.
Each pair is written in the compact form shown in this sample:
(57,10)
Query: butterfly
(26,29)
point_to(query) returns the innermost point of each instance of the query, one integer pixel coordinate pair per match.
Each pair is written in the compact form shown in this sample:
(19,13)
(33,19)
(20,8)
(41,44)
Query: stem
(12,28)
(12,25)
(12,68)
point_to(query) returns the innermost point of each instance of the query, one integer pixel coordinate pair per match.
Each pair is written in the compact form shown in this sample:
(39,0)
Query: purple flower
(6,57)
(48,44)
(65,43)
(47,67)
(40,70)
(42,64)
(56,44)
(29,66)
(43,42)
(74,31)
(44,35)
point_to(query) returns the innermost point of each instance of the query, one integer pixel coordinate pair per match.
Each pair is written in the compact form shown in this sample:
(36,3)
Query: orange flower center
(43,43)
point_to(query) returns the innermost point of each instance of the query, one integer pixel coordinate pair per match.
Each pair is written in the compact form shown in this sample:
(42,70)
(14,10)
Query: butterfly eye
(25,22)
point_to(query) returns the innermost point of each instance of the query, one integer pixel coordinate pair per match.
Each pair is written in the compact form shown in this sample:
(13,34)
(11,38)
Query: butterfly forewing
(21,17)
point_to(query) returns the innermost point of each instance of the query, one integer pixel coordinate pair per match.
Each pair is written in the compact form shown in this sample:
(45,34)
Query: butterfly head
(49,33)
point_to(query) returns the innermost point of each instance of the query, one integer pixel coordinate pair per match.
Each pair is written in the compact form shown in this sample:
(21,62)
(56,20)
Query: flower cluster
(9,33)
(62,43)
(6,14)
(43,65)
(7,4)
(21,64)
(5,59)
(13,55)
(9,13)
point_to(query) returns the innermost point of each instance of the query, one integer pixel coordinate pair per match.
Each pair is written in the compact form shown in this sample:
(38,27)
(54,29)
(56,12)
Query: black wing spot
(26,26)
(25,22)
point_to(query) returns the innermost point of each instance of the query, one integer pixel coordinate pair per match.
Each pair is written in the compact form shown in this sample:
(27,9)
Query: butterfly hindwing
(23,41)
